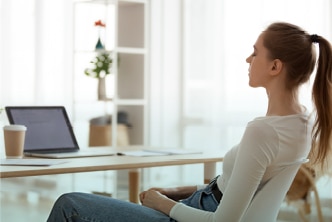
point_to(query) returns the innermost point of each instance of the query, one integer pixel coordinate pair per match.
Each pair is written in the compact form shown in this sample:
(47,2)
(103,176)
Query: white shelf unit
(125,37)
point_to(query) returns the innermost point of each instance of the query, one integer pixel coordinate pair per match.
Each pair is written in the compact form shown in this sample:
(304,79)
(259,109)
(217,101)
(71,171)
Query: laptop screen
(48,128)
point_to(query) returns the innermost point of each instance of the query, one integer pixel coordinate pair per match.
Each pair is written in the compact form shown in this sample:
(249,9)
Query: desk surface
(88,164)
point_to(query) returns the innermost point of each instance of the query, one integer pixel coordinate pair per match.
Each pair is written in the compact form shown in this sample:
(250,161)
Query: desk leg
(209,172)
(134,185)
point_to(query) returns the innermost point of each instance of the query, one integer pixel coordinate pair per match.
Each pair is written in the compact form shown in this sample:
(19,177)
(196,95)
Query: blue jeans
(89,207)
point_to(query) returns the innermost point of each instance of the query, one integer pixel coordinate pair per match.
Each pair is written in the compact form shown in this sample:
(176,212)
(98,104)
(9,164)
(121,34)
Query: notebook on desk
(49,132)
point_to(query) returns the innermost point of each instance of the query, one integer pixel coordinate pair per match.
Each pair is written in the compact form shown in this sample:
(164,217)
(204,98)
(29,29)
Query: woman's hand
(154,199)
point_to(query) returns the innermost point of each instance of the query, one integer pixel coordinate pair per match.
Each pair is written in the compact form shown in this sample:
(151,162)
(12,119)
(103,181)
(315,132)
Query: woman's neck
(283,103)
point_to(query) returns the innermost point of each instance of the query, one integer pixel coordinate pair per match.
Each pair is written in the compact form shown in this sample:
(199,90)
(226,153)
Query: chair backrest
(266,203)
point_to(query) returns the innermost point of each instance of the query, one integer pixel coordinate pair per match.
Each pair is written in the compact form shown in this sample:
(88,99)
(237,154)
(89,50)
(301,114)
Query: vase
(102,88)
(99,45)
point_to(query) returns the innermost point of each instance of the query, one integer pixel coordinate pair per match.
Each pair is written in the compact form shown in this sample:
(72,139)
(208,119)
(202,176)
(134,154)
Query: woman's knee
(67,199)
(62,206)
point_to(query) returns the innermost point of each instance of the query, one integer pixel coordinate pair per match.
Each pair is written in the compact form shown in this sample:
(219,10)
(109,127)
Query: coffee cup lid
(15,127)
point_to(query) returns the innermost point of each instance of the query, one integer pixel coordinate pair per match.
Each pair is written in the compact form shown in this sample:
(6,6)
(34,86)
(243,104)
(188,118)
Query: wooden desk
(134,164)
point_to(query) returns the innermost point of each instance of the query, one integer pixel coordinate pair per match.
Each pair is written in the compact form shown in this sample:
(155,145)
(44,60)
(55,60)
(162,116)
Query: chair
(266,203)
(303,184)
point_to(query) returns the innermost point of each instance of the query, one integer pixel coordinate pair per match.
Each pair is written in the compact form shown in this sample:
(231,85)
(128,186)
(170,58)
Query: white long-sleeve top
(268,144)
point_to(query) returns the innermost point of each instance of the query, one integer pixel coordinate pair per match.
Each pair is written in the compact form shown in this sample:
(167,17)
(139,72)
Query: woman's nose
(248,59)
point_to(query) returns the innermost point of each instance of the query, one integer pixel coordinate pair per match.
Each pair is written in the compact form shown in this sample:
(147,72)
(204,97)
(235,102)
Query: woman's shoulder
(296,120)
(260,129)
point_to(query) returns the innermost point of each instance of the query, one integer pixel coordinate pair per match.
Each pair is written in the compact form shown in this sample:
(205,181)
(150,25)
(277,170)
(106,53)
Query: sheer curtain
(204,98)
(35,53)
(219,36)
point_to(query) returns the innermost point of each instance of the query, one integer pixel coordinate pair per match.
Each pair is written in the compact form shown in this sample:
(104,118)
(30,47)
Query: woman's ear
(277,67)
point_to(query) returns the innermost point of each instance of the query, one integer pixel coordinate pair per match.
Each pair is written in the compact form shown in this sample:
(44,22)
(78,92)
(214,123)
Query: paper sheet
(31,162)
(161,152)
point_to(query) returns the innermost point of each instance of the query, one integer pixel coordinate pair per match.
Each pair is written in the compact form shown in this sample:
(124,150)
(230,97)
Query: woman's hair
(295,48)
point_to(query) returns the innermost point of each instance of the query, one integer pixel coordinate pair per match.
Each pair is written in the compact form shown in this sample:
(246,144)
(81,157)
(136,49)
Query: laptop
(49,133)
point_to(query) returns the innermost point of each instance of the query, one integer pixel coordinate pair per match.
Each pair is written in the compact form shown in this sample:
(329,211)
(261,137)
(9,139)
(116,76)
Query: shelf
(131,50)
(117,49)
(124,37)
(107,2)
(132,1)
(131,102)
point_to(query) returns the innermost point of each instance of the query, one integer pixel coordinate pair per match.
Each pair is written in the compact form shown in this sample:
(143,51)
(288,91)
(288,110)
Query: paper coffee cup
(14,136)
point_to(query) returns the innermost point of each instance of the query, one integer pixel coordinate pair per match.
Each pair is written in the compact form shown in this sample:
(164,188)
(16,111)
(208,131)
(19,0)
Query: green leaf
(102,65)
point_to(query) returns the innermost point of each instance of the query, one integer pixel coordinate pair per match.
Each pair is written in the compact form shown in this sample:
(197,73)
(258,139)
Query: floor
(289,213)
(34,210)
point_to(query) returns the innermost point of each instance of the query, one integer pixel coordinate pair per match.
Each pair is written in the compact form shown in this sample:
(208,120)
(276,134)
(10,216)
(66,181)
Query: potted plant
(101,64)
(101,68)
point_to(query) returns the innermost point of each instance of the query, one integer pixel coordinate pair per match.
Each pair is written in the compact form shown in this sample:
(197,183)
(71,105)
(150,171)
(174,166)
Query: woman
(283,59)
